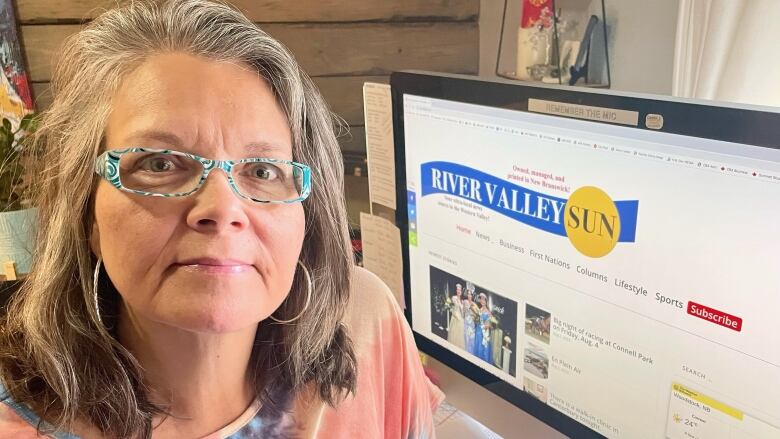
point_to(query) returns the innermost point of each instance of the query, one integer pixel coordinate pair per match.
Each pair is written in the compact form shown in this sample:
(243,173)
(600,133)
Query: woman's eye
(158,164)
(264,173)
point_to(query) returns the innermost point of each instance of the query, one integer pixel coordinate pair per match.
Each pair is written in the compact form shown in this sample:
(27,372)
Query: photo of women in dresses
(474,320)
(455,329)
(470,328)
(484,315)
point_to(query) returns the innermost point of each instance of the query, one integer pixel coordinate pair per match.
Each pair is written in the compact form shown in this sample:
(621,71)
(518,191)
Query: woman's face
(483,300)
(211,261)
(458,290)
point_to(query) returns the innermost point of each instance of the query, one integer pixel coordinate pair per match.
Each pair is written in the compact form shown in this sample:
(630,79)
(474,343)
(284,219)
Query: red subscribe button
(713,315)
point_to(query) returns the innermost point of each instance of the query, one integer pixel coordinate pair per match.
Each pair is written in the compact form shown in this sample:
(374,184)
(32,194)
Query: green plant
(12,162)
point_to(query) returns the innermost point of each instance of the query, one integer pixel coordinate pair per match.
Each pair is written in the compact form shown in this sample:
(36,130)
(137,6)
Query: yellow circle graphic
(592,222)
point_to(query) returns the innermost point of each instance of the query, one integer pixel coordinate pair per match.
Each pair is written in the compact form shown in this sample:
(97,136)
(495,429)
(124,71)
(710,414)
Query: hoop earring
(308,297)
(95,288)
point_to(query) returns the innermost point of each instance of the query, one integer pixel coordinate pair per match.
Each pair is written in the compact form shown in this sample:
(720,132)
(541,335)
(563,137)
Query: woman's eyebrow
(257,147)
(262,147)
(160,136)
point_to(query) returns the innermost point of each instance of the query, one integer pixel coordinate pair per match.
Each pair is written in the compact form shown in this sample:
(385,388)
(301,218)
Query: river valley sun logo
(589,218)
(592,222)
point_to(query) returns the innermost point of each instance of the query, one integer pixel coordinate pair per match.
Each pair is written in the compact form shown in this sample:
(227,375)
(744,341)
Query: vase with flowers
(17,217)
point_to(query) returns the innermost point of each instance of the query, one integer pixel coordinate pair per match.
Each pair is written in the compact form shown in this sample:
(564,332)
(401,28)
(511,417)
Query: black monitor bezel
(759,126)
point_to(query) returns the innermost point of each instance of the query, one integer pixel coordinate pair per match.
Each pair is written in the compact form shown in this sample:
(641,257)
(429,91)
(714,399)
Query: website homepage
(628,279)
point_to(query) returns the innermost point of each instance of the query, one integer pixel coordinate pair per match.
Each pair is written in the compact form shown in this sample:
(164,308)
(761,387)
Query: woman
(455,333)
(193,275)
(484,346)
(470,320)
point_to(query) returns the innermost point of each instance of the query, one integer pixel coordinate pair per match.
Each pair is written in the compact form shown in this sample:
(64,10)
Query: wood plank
(353,141)
(325,49)
(379,49)
(41,95)
(41,44)
(344,94)
(47,11)
(356,194)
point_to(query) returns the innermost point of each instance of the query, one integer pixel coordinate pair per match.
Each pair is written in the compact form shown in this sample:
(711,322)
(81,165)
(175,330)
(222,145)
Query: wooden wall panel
(41,95)
(344,94)
(324,49)
(286,11)
(353,141)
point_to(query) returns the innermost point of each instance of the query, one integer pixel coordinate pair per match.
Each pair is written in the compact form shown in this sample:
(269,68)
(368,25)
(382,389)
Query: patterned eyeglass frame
(107,166)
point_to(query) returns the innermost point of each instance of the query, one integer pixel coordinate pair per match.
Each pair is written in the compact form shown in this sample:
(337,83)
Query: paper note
(378,114)
(382,252)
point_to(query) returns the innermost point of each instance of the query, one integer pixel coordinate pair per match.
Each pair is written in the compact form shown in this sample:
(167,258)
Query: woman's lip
(215,269)
(211,261)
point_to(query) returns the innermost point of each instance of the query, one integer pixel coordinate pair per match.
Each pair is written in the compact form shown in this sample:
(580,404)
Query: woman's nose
(216,207)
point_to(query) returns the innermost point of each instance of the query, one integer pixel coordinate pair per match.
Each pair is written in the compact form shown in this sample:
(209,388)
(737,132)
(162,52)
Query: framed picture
(15,96)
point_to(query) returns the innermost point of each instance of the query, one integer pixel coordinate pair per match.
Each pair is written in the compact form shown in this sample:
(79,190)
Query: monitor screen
(608,263)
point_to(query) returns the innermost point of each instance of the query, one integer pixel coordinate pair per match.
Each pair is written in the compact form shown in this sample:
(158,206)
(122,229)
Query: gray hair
(55,356)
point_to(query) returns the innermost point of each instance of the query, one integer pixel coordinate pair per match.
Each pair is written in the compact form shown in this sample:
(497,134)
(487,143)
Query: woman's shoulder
(13,425)
(371,303)
(367,289)
(373,312)
(394,398)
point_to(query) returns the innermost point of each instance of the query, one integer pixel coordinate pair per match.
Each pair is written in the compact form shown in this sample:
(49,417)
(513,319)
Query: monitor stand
(503,418)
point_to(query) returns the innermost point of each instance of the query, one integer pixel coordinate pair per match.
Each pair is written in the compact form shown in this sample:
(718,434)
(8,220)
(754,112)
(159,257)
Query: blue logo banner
(538,210)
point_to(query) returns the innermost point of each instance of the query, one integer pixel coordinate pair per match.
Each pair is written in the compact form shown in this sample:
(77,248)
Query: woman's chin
(215,312)
(211,320)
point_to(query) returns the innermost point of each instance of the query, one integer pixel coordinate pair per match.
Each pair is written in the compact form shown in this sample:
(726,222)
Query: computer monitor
(607,262)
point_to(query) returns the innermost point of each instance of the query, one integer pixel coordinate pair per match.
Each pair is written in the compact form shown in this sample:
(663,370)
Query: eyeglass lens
(168,174)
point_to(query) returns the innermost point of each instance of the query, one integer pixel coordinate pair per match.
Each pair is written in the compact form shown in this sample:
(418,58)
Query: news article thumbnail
(474,319)
(538,391)
(537,323)
(536,361)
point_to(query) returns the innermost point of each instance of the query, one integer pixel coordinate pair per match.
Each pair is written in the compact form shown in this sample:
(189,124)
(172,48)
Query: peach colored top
(394,398)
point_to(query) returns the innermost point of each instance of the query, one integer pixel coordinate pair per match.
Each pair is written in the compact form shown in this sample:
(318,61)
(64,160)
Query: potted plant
(17,218)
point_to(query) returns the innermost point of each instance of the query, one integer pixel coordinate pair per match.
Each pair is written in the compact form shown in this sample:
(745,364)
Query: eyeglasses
(168,173)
